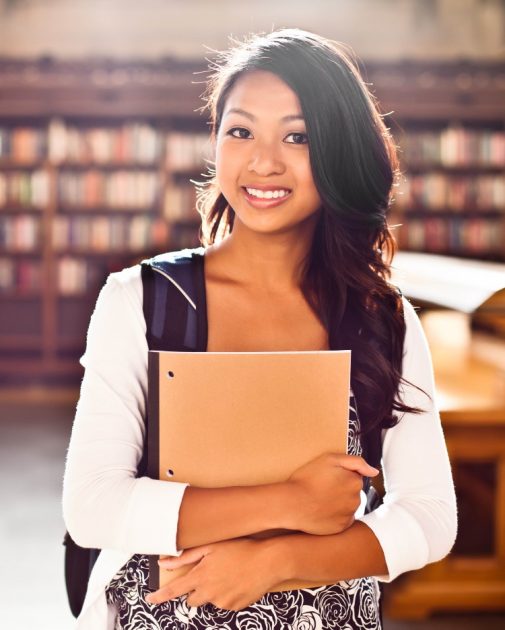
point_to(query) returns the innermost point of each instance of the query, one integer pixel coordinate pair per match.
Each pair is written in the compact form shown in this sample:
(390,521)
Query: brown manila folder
(236,419)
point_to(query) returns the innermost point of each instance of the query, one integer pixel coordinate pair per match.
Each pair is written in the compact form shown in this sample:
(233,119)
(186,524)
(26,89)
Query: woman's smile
(265,196)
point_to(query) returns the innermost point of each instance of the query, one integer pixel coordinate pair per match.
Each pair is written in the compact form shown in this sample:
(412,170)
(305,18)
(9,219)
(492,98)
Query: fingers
(176,588)
(195,600)
(181,585)
(356,464)
(188,556)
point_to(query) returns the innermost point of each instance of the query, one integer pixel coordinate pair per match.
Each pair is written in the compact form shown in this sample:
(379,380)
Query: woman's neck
(267,261)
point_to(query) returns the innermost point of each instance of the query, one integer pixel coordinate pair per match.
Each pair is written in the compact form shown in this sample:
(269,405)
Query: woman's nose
(265,160)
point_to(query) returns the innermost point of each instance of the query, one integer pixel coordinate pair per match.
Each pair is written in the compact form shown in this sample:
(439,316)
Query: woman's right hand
(325,493)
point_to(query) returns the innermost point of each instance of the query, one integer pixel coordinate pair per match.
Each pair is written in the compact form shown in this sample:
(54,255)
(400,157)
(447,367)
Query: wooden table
(470,380)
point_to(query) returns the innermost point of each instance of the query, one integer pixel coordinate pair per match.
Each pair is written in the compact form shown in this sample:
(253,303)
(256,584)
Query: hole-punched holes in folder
(170,472)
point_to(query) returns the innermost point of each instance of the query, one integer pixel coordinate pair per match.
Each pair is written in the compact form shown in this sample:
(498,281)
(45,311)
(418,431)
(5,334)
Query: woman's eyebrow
(242,112)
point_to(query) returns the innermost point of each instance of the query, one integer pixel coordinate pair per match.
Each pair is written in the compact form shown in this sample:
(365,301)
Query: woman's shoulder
(416,350)
(176,257)
(413,326)
(129,279)
(125,284)
(409,311)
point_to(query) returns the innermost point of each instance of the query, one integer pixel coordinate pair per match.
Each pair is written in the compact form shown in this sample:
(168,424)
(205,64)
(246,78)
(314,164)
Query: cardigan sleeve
(104,504)
(416,524)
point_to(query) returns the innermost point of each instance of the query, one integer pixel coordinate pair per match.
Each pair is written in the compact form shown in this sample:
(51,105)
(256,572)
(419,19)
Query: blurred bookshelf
(97,158)
(452,199)
(449,123)
(96,163)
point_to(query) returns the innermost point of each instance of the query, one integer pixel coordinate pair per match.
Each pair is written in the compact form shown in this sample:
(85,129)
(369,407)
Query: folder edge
(153,442)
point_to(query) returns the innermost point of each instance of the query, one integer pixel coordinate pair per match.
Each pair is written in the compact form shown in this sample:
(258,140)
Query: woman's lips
(257,202)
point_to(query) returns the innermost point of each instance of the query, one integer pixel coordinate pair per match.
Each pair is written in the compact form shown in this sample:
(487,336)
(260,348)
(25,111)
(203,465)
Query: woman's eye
(239,132)
(297,138)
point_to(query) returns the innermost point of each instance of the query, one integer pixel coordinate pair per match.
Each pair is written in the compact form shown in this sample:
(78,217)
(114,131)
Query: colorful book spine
(26,188)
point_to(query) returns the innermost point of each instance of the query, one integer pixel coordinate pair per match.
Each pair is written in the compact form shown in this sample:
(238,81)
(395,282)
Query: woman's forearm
(320,497)
(210,515)
(353,553)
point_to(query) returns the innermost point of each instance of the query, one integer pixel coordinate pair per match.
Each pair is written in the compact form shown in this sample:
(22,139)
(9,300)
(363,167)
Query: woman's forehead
(260,93)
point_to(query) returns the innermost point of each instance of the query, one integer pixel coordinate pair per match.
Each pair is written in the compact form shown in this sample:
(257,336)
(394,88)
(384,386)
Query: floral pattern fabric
(347,605)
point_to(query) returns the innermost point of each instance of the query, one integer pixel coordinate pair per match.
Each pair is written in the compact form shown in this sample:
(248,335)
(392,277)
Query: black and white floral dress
(349,605)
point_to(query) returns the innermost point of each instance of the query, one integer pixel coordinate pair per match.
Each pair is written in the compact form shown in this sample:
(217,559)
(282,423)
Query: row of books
(22,276)
(434,191)
(454,235)
(120,189)
(91,234)
(187,151)
(179,202)
(93,188)
(134,142)
(24,188)
(454,146)
(19,233)
(23,144)
(110,234)
(137,142)
(75,276)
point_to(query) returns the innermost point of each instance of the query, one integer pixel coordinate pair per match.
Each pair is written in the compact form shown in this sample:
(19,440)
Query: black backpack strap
(174,306)
(174,301)
(373,499)
(78,564)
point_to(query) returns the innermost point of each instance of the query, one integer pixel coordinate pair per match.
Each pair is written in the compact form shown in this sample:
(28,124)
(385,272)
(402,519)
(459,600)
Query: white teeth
(267,194)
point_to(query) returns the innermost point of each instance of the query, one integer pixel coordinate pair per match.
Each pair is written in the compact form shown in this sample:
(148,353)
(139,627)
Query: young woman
(297,258)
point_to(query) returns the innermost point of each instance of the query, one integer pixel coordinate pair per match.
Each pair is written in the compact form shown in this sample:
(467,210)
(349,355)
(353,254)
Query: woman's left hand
(231,574)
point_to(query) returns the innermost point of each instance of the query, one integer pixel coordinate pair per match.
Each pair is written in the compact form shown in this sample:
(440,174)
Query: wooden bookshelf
(93,157)
(448,120)
(96,159)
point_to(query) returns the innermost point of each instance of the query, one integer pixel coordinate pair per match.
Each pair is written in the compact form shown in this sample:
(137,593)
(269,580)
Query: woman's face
(262,157)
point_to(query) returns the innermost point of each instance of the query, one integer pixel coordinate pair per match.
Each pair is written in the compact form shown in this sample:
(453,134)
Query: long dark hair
(354,166)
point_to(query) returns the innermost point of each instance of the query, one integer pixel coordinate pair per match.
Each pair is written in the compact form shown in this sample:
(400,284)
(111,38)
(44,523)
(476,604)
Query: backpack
(174,309)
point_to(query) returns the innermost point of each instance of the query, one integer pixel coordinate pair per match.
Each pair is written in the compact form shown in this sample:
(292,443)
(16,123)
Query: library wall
(101,141)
